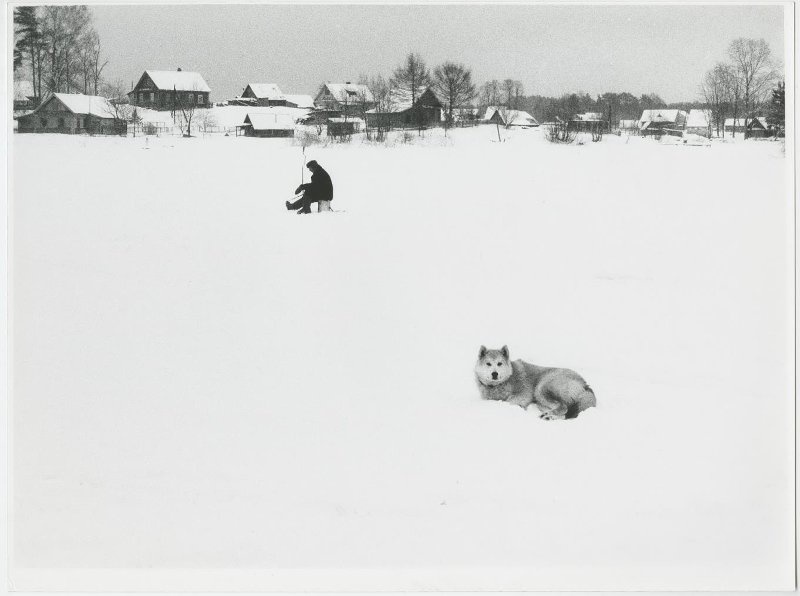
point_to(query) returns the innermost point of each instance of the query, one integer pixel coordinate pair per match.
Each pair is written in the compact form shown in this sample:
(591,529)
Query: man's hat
(312,164)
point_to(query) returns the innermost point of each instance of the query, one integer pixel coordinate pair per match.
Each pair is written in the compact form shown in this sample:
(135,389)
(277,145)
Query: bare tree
(413,78)
(62,28)
(732,85)
(508,92)
(713,89)
(519,89)
(118,106)
(490,93)
(752,63)
(382,94)
(186,106)
(206,120)
(454,83)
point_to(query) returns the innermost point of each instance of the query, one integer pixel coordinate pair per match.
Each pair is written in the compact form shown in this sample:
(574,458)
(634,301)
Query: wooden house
(588,122)
(24,96)
(698,122)
(656,122)
(346,99)
(508,118)
(169,90)
(265,94)
(73,114)
(757,128)
(267,125)
(401,112)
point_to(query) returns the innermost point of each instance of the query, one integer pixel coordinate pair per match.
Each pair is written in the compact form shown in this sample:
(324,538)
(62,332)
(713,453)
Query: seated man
(319,189)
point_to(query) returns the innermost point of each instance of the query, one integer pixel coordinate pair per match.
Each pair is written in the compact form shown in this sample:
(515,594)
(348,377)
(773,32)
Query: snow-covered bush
(559,132)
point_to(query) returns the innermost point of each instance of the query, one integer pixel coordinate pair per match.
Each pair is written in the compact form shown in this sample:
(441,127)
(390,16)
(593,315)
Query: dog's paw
(550,416)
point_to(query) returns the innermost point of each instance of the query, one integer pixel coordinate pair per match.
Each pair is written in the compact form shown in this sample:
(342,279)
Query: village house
(698,122)
(588,122)
(344,99)
(401,112)
(264,94)
(506,117)
(757,128)
(169,90)
(267,125)
(71,113)
(662,121)
(24,96)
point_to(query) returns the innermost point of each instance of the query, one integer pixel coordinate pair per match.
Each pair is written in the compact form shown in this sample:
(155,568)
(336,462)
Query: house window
(61,123)
(152,97)
(80,122)
(141,98)
(43,122)
(199,99)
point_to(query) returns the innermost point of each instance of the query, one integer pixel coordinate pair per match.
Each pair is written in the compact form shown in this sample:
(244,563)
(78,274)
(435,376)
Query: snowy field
(202,379)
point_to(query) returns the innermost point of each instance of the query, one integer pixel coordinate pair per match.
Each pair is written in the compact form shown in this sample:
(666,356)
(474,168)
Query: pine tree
(27,40)
(776,115)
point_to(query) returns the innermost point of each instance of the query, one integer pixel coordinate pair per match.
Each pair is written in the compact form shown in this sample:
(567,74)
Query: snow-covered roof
(349,92)
(266,91)
(301,101)
(661,115)
(269,121)
(697,119)
(746,121)
(589,116)
(179,80)
(23,90)
(85,104)
(511,117)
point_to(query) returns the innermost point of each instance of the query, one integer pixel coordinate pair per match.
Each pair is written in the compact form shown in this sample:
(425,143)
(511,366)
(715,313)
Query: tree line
(60,48)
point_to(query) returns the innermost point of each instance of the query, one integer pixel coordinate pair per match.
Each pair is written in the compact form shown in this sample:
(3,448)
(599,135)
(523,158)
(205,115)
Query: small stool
(323,206)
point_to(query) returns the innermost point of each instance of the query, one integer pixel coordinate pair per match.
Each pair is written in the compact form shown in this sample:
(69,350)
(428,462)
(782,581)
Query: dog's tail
(587,400)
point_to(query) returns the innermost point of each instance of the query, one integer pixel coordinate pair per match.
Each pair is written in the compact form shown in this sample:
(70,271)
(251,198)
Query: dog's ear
(482,352)
(504,352)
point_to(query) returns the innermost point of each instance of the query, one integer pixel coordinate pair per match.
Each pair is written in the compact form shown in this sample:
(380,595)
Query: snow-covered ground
(202,379)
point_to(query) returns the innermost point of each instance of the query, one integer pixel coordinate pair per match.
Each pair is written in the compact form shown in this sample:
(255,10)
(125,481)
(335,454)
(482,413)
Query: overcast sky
(550,49)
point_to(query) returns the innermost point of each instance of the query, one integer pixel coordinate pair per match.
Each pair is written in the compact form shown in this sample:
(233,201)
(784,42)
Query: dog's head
(493,366)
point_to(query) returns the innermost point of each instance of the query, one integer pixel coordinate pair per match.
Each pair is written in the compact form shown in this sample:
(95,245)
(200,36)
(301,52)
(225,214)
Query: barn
(265,94)
(267,125)
(426,111)
(170,89)
(71,113)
